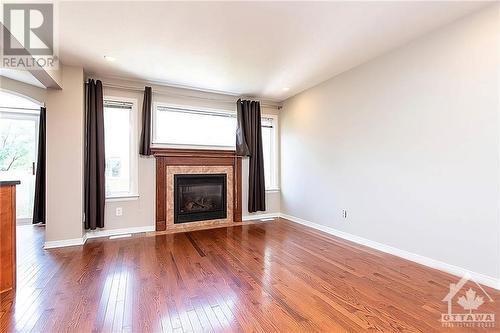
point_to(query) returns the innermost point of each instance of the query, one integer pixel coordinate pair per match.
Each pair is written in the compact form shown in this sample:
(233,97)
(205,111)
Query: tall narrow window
(120,137)
(269,149)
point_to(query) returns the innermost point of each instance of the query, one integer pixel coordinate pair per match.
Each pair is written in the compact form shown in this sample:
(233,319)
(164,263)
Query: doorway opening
(19,126)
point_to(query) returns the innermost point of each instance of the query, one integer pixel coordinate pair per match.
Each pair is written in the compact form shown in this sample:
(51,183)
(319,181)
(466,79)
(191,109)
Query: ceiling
(242,48)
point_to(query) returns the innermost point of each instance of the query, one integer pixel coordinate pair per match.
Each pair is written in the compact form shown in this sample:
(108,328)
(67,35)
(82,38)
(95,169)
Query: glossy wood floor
(265,277)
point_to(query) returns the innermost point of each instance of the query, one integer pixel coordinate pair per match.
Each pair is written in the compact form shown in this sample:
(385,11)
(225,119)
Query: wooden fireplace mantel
(193,157)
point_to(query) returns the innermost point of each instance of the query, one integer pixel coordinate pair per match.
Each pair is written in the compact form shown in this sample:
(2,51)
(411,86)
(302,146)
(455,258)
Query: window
(270,151)
(176,127)
(120,147)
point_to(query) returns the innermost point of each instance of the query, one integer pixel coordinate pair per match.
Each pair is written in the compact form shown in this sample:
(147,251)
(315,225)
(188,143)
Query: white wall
(408,143)
(140,213)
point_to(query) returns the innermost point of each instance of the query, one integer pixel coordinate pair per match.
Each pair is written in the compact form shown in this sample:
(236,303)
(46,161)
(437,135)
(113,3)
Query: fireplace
(199,197)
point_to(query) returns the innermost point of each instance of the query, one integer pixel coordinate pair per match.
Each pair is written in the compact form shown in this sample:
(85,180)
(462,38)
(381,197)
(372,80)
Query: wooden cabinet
(7,235)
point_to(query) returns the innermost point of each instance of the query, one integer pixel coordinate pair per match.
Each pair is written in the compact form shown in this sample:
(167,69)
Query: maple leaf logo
(470,301)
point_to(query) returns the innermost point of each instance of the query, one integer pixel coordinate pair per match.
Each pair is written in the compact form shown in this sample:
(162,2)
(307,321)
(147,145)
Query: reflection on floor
(274,276)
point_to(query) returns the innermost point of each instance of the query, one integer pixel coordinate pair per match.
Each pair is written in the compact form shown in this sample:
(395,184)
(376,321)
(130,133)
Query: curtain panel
(95,191)
(249,143)
(145,145)
(40,185)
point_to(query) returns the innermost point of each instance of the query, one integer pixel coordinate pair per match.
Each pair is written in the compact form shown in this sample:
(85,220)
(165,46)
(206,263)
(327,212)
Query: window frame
(274,186)
(134,150)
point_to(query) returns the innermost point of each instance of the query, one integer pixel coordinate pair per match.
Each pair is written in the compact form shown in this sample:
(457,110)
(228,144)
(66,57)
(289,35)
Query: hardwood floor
(265,277)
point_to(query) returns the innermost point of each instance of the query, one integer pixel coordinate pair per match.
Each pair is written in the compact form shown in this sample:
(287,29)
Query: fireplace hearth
(199,197)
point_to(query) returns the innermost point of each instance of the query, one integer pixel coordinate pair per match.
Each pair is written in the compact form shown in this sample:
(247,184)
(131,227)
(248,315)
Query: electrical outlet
(344,213)
(119,211)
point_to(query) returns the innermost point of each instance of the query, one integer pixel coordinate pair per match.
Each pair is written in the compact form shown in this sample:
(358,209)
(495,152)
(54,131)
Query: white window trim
(187,146)
(130,197)
(134,153)
(275,186)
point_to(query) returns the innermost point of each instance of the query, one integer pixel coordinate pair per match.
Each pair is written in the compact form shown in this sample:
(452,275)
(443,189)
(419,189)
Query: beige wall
(408,143)
(65,125)
(140,212)
(35,93)
(65,143)
(65,140)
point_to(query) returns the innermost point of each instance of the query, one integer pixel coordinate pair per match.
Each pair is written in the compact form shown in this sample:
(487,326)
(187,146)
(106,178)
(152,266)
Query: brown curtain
(39,207)
(95,192)
(145,148)
(249,143)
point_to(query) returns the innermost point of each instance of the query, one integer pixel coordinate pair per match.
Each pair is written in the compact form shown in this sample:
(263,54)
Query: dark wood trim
(192,160)
(194,157)
(161,184)
(9,182)
(237,210)
(180,152)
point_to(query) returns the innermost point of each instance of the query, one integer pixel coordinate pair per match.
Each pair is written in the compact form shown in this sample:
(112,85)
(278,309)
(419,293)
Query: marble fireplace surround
(190,161)
(176,170)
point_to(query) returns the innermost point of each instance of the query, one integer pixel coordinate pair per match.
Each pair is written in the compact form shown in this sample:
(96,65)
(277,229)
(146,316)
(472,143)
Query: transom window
(176,126)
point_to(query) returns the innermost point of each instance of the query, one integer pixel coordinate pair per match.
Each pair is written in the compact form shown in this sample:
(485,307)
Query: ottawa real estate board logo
(28,36)
(463,297)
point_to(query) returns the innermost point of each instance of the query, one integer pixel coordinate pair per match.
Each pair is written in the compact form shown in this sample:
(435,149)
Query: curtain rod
(169,93)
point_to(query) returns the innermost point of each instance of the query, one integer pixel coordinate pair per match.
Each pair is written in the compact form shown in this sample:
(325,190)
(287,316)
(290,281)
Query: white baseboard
(24,221)
(96,234)
(260,216)
(436,264)
(123,231)
(64,243)
(116,232)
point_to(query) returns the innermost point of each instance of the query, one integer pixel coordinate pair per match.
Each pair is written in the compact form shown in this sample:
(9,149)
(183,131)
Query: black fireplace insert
(199,197)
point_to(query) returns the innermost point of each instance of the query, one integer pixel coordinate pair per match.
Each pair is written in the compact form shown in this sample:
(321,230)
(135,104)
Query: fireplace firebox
(199,197)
